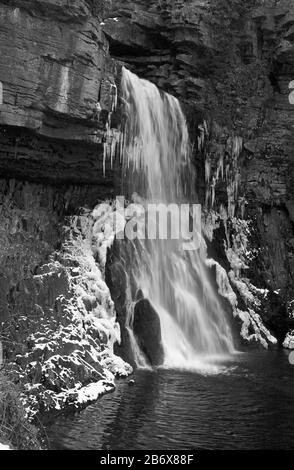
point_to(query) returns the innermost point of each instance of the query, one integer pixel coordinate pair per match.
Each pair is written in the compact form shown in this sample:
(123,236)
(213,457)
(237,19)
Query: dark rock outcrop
(32,218)
(147,329)
(134,312)
(116,277)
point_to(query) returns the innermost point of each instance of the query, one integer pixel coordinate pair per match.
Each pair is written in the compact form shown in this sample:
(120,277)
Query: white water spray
(156,166)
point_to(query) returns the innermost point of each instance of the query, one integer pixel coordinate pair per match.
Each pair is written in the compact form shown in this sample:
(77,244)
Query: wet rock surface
(134,312)
(148,331)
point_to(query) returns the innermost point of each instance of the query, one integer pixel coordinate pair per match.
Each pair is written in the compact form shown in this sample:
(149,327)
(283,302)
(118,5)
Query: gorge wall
(231,64)
(59,129)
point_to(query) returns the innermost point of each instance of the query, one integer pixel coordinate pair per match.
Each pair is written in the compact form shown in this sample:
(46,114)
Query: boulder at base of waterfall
(148,331)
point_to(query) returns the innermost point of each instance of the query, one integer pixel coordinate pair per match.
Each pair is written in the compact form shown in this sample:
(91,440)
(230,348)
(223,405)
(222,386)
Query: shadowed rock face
(148,332)
(125,294)
(27,156)
(31,229)
(181,45)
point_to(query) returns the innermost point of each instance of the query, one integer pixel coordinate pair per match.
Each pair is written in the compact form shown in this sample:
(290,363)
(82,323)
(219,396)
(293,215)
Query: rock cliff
(231,64)
(58,91)
(58,135)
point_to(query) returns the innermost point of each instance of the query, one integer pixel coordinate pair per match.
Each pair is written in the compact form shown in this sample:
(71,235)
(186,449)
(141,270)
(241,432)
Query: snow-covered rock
(4,447)
(68,358)
(289,340)
(233,285)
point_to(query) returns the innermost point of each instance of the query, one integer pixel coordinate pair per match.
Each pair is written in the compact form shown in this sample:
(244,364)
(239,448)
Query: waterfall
(157,168)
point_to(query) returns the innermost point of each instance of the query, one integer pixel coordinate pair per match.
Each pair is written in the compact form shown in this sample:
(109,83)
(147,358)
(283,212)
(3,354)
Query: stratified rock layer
(59,90)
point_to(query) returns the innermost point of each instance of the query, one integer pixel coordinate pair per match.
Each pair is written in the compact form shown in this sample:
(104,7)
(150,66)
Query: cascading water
(156,167)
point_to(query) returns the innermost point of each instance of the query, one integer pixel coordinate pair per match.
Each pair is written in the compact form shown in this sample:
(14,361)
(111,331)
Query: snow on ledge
(4,447)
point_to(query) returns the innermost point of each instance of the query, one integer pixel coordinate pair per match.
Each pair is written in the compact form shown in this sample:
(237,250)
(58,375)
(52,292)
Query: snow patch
(4,447)
(289,340)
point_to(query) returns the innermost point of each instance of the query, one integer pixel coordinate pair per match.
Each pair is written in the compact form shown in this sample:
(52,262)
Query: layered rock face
(58,95)
(231,65)
(58,85)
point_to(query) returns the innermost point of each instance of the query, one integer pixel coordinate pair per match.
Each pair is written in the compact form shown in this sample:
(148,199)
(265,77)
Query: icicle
(104,157)
(201,138)
(227,171)
(207,194)
(221,165)
(114,97)
(242,203)
(207,168)
(231,199)
(220,169)
(1,94)
(213,183)
(112,153)
(205,127)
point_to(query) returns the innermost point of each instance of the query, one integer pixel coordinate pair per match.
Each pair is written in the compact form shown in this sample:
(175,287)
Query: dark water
(248,405)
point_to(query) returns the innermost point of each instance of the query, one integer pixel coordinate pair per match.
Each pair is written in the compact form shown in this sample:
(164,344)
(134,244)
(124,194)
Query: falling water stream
(157,169)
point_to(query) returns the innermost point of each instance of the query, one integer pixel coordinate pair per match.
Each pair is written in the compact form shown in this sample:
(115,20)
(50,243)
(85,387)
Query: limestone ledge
(56,73)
